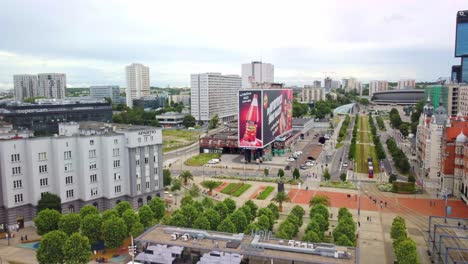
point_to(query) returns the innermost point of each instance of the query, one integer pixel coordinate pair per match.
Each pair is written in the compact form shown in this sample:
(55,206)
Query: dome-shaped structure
(440,110)
(427,109)
(461,137)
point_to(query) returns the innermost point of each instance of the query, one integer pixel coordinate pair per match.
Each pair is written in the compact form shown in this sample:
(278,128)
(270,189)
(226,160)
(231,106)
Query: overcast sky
(93,40)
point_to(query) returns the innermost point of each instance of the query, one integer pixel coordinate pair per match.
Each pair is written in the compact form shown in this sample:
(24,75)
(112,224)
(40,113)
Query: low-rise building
(89,163)
(105,91)
(171,119)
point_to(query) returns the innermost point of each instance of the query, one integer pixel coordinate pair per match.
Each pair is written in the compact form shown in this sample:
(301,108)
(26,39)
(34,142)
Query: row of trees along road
(399,158)
(352,147)
(404,247)
(379,150)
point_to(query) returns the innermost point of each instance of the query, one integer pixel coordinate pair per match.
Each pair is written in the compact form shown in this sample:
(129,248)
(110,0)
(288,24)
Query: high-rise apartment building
(460,72)
(25,86)
(312,94)
(406,84)
(138,82)
(89,163)
(257,72)
(105,91)
(377,86)
(351,84)
(52,85)
(214,94)
(327,83)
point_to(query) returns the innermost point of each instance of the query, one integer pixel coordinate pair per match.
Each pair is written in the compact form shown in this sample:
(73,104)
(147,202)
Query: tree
(343,177)
(207,203)
(137,229)
(280,198)
(239,220)
(122,207)
(213,217)
(311,236)
(194,191)
(167,177)
(281,173)
(49,201)
(406,252)
(404,129)
(130,218)
(186,176)
(47,220)
(321,221)
(266,172)
(274,209)
(319,209)
(398,229)
(222,209)
(296,174)
(230,204)
(344,212)
(268,213)
(210,185)
(114,232)
(315,227)
(178,219)
(158,206)
(263,223)
(411,178)
(91,227)
(69,223)
(319,199)
(50,248)
(88,210)
(202,223)
(146,216)
(227,226)
(213,122)
(286,230)
(326,175)
(299,212)
(189,121)
(392,178)
(176,185)
(109,213)
(251,227)
(248,214)
(77,249)
(343,240)
(253,207)
(190,213)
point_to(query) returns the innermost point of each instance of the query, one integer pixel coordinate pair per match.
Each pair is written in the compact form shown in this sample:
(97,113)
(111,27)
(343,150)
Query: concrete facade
(312,94)
(105,91)
(52,85)
(138,82)
(377,86)
(257,72)
(25,86)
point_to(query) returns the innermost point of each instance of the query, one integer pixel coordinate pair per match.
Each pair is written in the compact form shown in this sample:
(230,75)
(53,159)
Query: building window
(68,167)
(94,191)
(43,182)
(71,208)
(116,141)
(116,176)
(69,180)
(43,193)
(69,193)
(139,140)
(116,163)
(154,158)
(137,162)
(138,187)
(92,166)
(118,189)
(92,153)
(146,160)
(15,157)
(43,169)
(16,170)
(19,198)
(93,178)
(91,142)
(42,156)
(17,184)
(116,152)
(67,154)
(147,185)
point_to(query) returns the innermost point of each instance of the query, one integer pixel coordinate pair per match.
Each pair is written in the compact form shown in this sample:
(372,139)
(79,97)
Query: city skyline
(304,41)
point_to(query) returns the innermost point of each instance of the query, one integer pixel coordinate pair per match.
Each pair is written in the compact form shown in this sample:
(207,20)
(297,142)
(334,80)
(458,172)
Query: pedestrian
(370,219)
(26,237)
(359,224)
(22,238)
(367,219)
(385,203)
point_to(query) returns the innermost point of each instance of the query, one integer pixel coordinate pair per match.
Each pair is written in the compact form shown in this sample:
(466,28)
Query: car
(309,164)
(345,164)
(290,159)
(303,167)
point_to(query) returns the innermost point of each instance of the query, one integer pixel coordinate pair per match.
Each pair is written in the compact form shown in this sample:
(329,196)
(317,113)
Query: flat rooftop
(162,235)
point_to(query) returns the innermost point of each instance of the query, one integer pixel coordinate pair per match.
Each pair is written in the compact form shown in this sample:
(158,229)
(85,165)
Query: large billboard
(263,116)
(461,39)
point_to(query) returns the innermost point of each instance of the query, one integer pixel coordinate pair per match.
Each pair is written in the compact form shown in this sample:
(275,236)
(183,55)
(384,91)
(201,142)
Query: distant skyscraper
(377,86)
(406,84)
(317,84)
(25,86)
(105,91)
(213,93)
(52,85)
(327,83)
(138,82)
(257,72)
(351,84)
(460,72)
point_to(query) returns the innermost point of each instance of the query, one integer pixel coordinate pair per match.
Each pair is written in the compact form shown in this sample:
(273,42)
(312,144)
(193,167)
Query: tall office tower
(25,86)
(213,93)
(52,85)
(406,84)
(460,72)
(257,72)
(317,84)
(106,91)
(377,86)
(138,82)
(327,83)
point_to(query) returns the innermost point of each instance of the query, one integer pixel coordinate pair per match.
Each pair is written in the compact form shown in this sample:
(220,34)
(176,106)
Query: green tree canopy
(319,199)
(87,210)
(321,221)
(280,198)
(266,172)
(47,220)
(213,122)
(178,219)
(280,173)
(158,206)
(202,223)
(251,227)
(146,216)
(114,231)
(343,240)
(315,227)
(50,249)
(122,207)
(70,223)
(186,176)
(227,226)
(274,208)
(268,213)
(210,185)
(253,207)
(194,191)
(248,214)
(344,212)
(326,175)
(77,249)
(299,212)
(264,223)
(190,213)
(49,201)
(343,177)
(189,121)
(91,227)
(239,220)
(231,204)
(137,229)
(398,229)
(207,203)
(130,218)
(222,209)
(296,174)
(311,236)
(406,252)
(319,209)
(213,217)
(109,213)
(167,177)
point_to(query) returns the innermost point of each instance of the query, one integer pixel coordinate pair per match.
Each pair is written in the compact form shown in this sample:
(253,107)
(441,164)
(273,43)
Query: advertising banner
(277,114)
(250,119)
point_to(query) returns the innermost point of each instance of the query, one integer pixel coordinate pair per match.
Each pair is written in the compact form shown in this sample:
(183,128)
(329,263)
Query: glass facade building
(438,95)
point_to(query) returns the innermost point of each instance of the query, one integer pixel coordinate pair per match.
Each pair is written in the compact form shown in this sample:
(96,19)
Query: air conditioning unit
(184,238)
(291,243)
(304,245)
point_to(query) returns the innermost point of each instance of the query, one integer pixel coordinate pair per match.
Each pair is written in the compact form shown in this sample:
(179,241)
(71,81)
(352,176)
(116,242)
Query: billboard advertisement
(250,119)
(263,116)
(277,114)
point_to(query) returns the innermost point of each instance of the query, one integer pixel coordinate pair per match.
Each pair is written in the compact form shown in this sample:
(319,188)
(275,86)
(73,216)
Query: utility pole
(132,250)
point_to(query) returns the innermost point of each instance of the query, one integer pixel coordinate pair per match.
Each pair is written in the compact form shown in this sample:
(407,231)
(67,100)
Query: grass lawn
(365,147)
(174,139)
(201,159)
(241,190)
(265,193)
(236,189)
(339,145)
(338,184)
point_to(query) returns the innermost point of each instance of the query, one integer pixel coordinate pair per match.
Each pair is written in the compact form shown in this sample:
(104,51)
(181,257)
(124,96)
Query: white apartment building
(377,86)
(52,85)
(214,93)
(138,82)
(257,72)
(311,94)
(105,91)
(87,163)
(351,84)
(180,98)
(457,99)
(25,86)
(406,84)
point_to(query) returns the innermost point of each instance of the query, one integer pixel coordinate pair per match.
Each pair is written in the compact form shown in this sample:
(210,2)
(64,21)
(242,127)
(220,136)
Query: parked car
(345,164)
(290,159)
(309,163)
(303,167)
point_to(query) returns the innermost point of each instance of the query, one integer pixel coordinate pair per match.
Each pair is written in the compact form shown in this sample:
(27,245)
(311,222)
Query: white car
(345,164)
(290,159)
(309,164)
